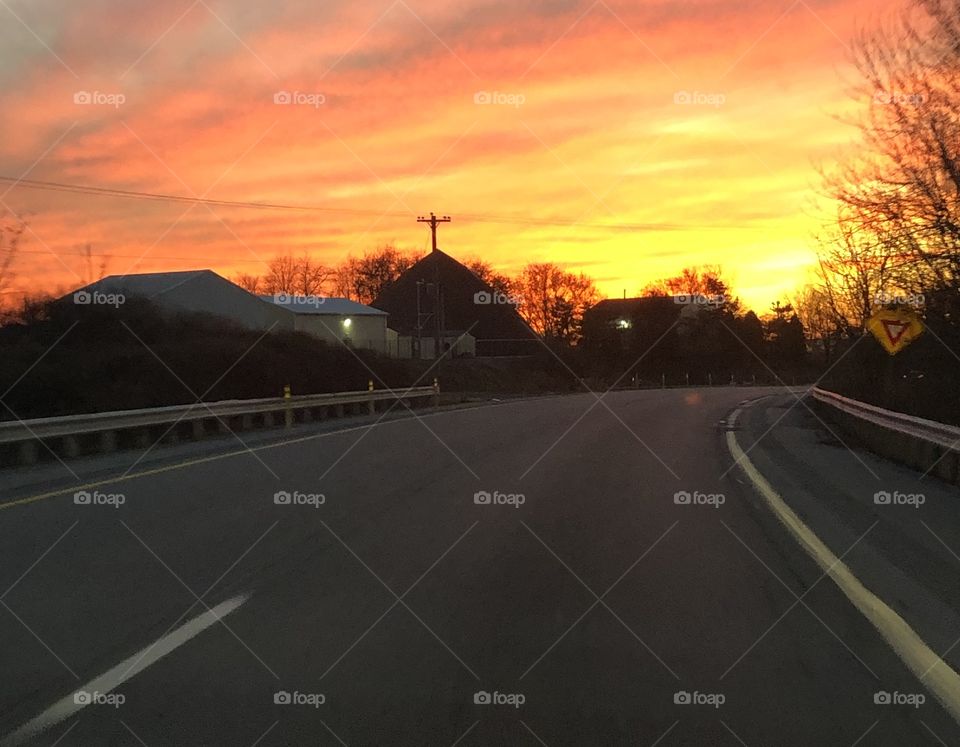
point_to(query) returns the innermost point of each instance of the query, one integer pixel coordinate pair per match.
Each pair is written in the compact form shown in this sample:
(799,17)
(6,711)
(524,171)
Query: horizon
(553,140)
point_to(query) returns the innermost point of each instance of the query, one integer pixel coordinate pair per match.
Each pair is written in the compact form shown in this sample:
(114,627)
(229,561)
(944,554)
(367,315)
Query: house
(621,329)
(473,318)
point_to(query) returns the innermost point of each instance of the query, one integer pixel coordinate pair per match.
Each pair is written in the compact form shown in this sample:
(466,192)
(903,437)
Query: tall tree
(363,279)
(295,276)
(11,231)
(705,282)
(899,190)
(819,321)
(250,283)
(492,277)
(553,301)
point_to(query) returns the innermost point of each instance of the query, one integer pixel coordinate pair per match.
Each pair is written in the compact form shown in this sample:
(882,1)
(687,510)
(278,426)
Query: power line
(86,189)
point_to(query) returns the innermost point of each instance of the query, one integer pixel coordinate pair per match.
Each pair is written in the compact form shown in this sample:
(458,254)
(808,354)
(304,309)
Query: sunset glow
(627,140)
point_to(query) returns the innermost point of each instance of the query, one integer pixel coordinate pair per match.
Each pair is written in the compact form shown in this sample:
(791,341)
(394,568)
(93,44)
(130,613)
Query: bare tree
(819,322)
(899,191)
(250,283)
(706,281)
(363,279)
(553,301)
(11,231)
(292,275)
(281,275)
(486,272)
(311,278)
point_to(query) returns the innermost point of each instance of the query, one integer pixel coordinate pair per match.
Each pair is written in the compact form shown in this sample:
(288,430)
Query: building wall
(365,331)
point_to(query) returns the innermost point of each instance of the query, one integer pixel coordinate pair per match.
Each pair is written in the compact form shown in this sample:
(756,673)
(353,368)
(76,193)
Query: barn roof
(463,308)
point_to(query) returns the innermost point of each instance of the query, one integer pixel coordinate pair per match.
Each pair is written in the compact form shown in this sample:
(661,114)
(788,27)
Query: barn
(471,317)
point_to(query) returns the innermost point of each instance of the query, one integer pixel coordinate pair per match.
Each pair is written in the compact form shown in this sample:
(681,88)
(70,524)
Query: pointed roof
(469,303)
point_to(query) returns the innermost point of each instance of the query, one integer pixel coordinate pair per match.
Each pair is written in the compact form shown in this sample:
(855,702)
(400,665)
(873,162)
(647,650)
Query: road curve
(384,605)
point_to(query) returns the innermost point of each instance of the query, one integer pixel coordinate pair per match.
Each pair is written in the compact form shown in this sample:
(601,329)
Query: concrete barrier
(925,445)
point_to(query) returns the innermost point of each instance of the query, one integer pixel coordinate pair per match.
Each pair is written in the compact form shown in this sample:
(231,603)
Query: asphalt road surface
(384,605)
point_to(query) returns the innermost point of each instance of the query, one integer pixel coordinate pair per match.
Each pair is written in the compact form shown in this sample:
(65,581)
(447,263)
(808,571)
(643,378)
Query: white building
(336,320)
(339,320)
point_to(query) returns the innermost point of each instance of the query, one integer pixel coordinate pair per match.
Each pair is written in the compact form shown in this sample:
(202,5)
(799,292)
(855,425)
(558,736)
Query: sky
(624,139)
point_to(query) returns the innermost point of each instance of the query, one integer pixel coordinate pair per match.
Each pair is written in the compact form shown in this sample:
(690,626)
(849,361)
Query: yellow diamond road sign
(895,328)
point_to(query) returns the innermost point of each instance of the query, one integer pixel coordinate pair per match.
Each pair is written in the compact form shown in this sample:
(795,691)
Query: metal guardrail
(918,442)
(64,434)
(929,430)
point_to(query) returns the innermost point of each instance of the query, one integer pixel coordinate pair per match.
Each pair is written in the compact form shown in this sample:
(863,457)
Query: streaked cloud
(586,127)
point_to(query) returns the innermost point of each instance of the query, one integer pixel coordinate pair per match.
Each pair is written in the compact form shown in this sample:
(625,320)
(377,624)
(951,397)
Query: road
(588,600)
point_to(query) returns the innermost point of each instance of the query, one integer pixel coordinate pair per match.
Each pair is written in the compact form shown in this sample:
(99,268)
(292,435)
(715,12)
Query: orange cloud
(700,122)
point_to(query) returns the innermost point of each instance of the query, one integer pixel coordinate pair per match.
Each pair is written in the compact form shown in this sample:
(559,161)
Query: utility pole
(433,221)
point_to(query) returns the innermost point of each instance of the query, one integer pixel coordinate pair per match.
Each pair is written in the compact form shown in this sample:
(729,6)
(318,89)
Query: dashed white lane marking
(130,667)
(930,669)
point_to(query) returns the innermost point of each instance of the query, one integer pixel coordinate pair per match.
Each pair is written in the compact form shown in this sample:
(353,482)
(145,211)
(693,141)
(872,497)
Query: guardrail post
(197,429)
(436,392)
(371,405)
(288,412)
(663,381)
(709,379)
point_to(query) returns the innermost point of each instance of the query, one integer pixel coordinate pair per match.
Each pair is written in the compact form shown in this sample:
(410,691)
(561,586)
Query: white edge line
(930,669)
(130,667)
